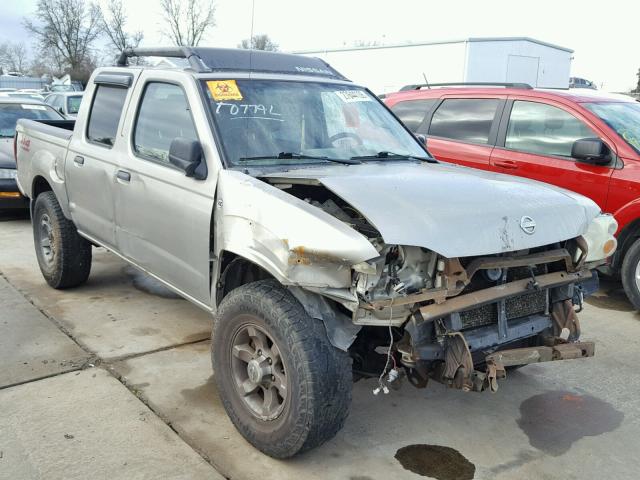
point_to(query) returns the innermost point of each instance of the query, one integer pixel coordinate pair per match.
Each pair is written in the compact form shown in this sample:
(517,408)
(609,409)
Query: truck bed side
(40,155)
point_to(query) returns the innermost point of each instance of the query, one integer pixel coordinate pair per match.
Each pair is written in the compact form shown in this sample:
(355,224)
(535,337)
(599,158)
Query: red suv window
(465,119)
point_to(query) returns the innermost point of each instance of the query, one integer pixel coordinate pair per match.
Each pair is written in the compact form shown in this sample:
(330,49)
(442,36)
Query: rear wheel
(630,273)
(284,386)
(64,256)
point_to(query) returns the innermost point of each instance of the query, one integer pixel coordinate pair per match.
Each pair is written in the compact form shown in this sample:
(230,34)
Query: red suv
(583,140)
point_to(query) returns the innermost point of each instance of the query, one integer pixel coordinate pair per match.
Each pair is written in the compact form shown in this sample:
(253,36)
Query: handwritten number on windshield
(248,110)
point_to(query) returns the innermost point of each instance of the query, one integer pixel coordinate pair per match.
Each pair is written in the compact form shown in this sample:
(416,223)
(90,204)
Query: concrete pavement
(564,420)
(84,425)
(32,346)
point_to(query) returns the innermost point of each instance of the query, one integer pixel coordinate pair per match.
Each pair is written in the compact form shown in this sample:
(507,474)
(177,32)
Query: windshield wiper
(384,155)
(301,156)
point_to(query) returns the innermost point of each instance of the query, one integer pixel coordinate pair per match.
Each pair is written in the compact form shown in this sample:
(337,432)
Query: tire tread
(325,370)
(74,261)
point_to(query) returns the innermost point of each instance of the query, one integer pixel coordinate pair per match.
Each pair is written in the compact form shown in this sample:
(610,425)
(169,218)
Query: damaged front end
(459,320)
(455,317)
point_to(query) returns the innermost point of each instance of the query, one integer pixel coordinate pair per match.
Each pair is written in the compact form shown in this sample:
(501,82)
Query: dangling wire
(381,385)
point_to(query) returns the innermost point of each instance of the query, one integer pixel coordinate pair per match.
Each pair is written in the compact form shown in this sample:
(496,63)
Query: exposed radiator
(516,307)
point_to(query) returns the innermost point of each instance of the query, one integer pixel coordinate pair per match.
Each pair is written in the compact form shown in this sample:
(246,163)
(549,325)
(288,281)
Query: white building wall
(518,61)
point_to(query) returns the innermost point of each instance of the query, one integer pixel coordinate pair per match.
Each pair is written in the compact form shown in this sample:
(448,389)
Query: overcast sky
(604,36)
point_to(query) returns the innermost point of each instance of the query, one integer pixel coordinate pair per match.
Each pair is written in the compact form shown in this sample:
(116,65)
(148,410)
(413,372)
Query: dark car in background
(12,109)
(580,139)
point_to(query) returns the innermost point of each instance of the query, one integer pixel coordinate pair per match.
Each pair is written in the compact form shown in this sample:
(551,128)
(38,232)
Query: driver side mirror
(422,139)
(187,155)
(591,150)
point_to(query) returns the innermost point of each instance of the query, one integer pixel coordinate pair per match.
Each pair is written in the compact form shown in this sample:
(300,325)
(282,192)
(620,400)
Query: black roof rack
(195,62)
(202,60)
(524,86)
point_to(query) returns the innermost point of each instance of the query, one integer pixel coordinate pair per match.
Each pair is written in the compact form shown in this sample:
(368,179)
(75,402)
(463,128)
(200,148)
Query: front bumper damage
(472,350)
(498,362)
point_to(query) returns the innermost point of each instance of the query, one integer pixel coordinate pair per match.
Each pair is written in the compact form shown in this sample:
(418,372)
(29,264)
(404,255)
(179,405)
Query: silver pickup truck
(329,245)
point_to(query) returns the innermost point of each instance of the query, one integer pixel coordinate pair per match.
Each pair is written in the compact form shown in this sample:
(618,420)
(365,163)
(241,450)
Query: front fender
(627,214)
(294,241)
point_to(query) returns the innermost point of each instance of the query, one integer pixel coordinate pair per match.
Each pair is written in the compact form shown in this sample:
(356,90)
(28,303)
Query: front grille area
(527,304)
(479,317)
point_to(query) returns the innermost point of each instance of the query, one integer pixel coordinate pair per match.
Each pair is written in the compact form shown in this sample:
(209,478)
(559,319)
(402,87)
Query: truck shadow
(611,296)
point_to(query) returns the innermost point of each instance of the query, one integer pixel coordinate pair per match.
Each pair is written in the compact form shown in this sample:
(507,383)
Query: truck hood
(6,153)
(452,210)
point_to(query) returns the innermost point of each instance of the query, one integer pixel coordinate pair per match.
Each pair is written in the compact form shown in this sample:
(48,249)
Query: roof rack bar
(195,62)
(524,86)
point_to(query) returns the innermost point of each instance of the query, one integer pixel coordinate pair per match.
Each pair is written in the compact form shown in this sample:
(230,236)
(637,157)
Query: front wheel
(64,256)
(283,385)
(630,273)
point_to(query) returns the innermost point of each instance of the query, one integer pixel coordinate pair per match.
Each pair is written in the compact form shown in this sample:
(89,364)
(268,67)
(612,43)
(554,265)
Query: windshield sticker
(247,110)
(33,107)
(224,90)
(350,96)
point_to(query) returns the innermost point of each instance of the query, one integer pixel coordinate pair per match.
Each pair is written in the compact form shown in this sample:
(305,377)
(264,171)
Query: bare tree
(187,21)
(67,30)
(13,57)
(114,22)
(259,42)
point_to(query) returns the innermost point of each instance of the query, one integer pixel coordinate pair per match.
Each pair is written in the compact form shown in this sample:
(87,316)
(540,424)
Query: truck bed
(41,151)
(57,128)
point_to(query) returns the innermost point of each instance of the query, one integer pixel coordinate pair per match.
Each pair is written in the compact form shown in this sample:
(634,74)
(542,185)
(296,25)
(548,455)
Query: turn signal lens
(10,195)
(609,246)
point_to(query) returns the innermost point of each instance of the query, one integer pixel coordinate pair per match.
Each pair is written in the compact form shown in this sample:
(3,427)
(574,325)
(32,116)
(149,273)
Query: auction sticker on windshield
(353,96)
(33,107)
(224,90)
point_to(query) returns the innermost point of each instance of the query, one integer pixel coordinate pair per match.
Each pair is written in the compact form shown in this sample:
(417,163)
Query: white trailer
(498,59)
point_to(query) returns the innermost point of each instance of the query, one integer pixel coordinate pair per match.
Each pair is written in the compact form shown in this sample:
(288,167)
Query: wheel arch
(628,218)
(38,186)
(626,237)
(235,271)
(41,184)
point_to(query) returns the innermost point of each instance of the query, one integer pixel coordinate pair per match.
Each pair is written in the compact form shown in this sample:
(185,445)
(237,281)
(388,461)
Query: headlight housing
(8,173)
(599,238)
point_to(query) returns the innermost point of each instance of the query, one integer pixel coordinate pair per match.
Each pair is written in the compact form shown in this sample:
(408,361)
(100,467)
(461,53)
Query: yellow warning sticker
(224,90)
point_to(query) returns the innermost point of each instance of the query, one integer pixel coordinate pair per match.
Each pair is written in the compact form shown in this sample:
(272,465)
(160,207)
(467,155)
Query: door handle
(78,160)
(123,176)
(507,164)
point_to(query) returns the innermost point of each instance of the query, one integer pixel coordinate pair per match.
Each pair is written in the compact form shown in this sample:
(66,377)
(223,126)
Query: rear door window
(544,129)
(465,119)
(105,114)
(412,112)
(163,115)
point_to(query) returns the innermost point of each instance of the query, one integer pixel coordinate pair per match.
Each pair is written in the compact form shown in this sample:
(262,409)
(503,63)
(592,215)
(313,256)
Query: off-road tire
(319,374)
(628,274)
(69,263)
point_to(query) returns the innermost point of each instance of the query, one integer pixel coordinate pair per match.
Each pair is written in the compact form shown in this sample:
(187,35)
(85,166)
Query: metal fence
(8,81)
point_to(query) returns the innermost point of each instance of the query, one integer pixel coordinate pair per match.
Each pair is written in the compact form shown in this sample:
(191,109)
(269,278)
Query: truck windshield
(268,122)
(11,112)
(623,117)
